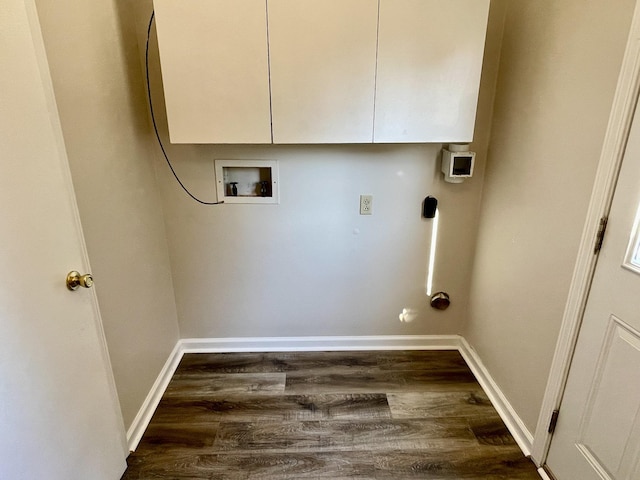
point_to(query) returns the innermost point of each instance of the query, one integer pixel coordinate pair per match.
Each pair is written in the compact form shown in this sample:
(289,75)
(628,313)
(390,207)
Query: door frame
(613,149)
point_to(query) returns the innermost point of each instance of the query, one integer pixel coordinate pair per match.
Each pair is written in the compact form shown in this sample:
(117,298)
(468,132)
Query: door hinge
(602,228)
(554,421)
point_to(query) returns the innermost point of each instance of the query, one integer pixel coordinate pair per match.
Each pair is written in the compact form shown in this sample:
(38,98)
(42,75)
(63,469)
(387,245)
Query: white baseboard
(313,344)
(543,474)
(140,423)
(512,420)
(319,344)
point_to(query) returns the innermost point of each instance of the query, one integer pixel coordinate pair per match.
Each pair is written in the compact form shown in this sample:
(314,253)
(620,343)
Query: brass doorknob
(75,280)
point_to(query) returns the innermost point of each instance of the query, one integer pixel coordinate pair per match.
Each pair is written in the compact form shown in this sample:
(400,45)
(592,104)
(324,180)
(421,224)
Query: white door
(598,431)
(59,417)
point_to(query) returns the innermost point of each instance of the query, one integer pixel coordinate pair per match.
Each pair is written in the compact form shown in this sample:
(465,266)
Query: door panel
(428,70)
(607,437)
(59,417)
(598,431)
(214,70)
(323,68)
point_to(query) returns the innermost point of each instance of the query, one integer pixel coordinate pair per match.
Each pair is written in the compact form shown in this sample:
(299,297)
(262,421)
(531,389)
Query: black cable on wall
(155,126)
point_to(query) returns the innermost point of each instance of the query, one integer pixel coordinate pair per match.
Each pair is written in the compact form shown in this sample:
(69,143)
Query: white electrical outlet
(366,204)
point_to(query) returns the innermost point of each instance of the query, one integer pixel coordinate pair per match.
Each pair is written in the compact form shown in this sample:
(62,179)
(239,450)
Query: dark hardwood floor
(338,415)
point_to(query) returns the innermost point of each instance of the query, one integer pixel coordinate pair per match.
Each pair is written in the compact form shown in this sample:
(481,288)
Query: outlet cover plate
(366,204)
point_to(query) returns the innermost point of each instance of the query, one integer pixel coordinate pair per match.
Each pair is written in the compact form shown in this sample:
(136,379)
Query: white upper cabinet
(214,59)
(323,64)
(321,71)
(429,63)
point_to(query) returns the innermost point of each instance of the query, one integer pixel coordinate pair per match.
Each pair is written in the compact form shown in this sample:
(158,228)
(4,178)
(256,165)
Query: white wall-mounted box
(247,181)
(321,71)
(215,70)
(430,55)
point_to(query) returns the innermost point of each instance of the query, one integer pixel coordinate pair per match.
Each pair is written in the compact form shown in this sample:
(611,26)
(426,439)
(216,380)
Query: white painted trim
(543,474)
(140,423)
(316,344)
(613,148)
(509,416)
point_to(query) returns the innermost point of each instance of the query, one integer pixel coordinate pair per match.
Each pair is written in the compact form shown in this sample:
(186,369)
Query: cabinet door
(214,60)
(323,60)
(429,64)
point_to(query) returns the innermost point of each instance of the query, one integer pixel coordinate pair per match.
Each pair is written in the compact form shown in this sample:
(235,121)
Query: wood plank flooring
(339,415)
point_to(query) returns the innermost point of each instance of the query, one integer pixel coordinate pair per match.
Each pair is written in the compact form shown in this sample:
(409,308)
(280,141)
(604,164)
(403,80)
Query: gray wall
(558,72)
(312,265)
